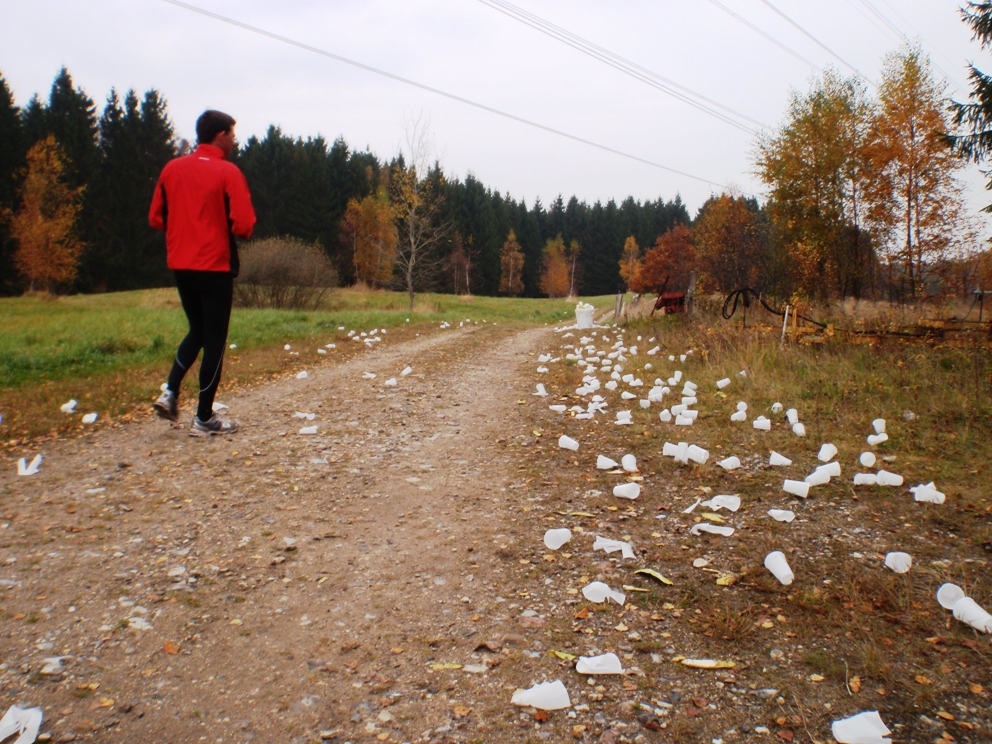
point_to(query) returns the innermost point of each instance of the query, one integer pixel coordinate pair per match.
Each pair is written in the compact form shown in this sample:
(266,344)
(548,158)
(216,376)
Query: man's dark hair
(212,123)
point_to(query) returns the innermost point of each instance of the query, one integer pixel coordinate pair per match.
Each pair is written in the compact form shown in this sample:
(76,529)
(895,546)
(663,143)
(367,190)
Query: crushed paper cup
(779,566)
(690,509)
(731,503)
(554,539)
(689,400)
(777,407)
(693,415)
(865,479)
(874,439)
(792,415)
(605,463)
(741,406)
(24,722)
(308,430)
(406,371)
(598,592)
(543,696)
(738,416)
(867,459)
(307,416)
(558,408)
(627,490)
(730,463)
(948,595)
(368,375)
(23,468)
(885,478)
(627,396)
(714,529)
(799,430)
(826,453)
(602,664)
(817,478)
(681,420)
(796,488)
(70,407)
(721,384)
(898,562)
(566,442)
(762,423)
(697,454)
(89,418)
(778,460)
(540,390)
(629,463)
(645,403)
(391,382)
(612,546)
(878,425)
(928,493)
(302,375)
(677,410)
(781,515)
(864,728)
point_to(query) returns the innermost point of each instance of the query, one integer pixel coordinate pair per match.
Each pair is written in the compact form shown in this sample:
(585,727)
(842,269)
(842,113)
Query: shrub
(283,273)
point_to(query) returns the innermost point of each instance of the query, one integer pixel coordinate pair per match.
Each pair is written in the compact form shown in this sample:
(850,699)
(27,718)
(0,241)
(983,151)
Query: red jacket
(200,201)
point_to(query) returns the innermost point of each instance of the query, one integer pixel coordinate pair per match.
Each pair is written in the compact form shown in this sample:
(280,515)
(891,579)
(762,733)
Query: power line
(816,41)
(634,70)
(767,36)
(436,91)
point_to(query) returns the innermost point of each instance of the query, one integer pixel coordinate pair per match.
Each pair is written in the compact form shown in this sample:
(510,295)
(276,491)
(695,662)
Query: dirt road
(278,587)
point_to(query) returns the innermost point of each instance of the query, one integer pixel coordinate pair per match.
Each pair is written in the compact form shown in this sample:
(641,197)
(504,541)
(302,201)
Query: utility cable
(438,91)
(816,41)
(628,67)
(766,36)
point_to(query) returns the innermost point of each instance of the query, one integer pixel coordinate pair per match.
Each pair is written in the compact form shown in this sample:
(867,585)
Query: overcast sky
(468,49)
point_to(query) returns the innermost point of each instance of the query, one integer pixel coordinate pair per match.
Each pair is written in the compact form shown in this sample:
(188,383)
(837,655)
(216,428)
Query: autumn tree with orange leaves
(667,264)
(630,261)
(368,230)
(44,227)
(730,243)
(511,259)
(555,278)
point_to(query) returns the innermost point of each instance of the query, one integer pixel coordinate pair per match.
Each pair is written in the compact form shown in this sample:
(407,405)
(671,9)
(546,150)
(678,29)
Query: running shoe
(215,425)
(167,406)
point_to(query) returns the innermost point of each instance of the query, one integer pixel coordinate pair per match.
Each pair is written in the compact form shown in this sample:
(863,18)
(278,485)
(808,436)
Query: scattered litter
(303,415)
(697,454)
(605,463)
(898,562)
(89,418)
(793,416)
(874,439)
(777,407)
(611,546)
(543,696)
(655,575)
(540,390)
(558,408)
(796,488)
(308,430)
(391,382)
(781,515)
(739,417)
(733,503)
(406,371)
(778,460)
(302,375)
(566,442)
(779,566)
(138,623)
(554,539)
(927,492)
(730,463)
(826,453)
(627,490)
(864,728)
(761,423)
(22,721)
(602,664)
(948,595)
(708,663)
(799,430)
(629,463)
(885,478)
(689,509)
(712,528)
(70,407)
(865,479)
(867,459)
(287,347)
(368,376)
(23,468)
(878,425)
(721,384)
(598,592)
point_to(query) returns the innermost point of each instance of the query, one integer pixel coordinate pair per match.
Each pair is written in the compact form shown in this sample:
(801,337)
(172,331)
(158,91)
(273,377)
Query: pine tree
(976,115)
(12,153)
(45,225)
(71,117)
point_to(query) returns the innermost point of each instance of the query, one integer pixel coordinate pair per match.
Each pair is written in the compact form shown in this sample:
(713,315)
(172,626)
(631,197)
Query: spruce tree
(12,152)
(71,117)
(976,115)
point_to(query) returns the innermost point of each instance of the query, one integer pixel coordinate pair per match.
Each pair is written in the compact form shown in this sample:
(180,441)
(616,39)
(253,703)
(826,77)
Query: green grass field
(84,335)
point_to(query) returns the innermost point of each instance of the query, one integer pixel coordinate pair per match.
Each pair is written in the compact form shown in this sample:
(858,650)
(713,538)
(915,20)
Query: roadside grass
(845,618)
(112,351)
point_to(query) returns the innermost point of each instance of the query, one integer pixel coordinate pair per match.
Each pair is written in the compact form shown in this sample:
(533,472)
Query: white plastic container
(566,442)
(778,460)
(554,539)
(826,453)
(796,488)
(629,463)
(627,490)
(761,423)
(779,566)
(867,459)
(605,463)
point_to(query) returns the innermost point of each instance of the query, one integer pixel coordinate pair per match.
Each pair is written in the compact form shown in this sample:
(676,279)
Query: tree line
(863,201)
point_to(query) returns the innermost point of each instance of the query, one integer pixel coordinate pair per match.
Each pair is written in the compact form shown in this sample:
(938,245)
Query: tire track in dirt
(395,514)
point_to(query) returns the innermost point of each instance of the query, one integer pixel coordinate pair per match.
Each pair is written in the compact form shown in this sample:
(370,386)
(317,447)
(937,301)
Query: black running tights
(206,297)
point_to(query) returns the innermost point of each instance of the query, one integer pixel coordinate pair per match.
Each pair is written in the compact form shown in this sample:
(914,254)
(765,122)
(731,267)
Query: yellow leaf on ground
(563,655)
(708,663)
(171,648)
(921,680)
(438,667)
(817,677)
(629,588)
(713,517)
(855,684)
(621,627)
(461,711)
(945,715)
(726,580)
(655,575)
(976,689)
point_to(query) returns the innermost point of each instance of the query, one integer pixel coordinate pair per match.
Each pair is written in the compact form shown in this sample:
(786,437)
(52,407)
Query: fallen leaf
(817,677)
(621,627)
(541,716)
(655,575)
(461,711)
(945,715)
(439,667)
(855,684)
(582,614)
(396,650)
(708,663)
(785,735)
(975,688)
(629,686)
(921,680)
(700,702)
(629,588)
(713,517)
(726,580)
(170,648)
(692,712)
(563,655)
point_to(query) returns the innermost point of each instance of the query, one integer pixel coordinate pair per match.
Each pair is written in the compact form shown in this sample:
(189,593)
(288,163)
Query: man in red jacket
(202,202)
